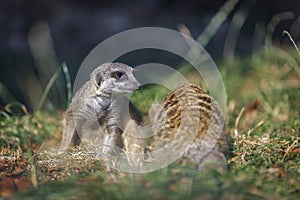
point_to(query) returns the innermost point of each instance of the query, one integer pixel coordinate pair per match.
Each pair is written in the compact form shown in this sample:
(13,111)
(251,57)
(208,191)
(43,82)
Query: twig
(257,126)
(182,28)
(295,143)
(23,107)
(236,132)
(292,40)
(276,19)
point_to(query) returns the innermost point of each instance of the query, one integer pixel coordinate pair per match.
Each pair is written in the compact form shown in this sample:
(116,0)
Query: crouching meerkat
(97,102)
(185,114)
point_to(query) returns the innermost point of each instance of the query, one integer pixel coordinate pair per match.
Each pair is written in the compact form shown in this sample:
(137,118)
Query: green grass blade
(48,87)
(216,22)
(68,80)
(234,29)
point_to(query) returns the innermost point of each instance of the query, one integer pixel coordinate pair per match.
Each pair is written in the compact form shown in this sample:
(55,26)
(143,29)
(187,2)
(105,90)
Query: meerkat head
(114,78)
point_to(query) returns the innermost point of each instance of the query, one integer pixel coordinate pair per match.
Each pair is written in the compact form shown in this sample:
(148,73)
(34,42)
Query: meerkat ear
(97,78)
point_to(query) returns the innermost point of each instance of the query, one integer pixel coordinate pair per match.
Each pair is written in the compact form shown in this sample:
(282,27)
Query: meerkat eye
(117,74)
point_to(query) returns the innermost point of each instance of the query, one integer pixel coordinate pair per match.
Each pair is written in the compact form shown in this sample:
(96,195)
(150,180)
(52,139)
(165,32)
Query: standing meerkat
(187,113)
(97,102)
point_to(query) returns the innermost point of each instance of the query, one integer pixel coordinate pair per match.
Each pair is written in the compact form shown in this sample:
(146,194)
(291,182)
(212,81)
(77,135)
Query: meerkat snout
(125,82)
(138,86)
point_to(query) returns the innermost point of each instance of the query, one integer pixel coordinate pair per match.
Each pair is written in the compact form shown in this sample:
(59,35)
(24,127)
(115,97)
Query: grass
(262,117)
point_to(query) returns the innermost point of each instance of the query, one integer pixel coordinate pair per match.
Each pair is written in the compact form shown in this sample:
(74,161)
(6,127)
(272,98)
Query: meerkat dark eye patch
(117,75)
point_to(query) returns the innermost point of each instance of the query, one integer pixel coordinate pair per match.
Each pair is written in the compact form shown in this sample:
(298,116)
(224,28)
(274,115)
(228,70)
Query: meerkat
(97,102)
(187,113)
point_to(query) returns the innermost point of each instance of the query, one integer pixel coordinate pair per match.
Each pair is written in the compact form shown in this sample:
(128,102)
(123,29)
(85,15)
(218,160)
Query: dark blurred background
(37,36)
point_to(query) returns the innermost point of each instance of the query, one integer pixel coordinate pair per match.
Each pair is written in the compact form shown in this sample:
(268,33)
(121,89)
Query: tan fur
(185,114)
